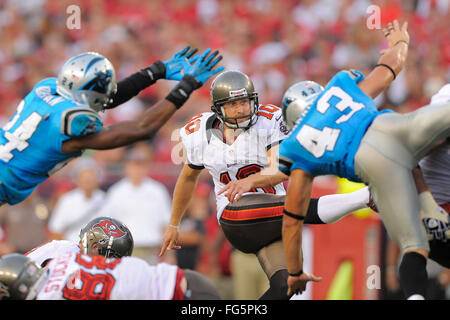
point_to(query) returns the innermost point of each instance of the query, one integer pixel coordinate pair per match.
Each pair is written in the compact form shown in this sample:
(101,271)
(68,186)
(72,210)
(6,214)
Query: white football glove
(434,218)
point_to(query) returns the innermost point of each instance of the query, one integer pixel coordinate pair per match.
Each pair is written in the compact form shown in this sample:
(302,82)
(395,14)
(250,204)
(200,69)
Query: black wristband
(154,72)
(179,95)
(385,65)
(296,274)
(401,41)
(295,216)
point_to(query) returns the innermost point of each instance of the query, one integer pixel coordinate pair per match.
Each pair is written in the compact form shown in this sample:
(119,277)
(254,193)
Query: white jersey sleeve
(44,253)
(270,122)
(194,138)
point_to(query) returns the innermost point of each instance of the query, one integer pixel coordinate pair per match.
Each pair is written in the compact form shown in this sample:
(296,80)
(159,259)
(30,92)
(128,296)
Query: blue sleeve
(285,160)
(80,122)
(289,160)
(351,74)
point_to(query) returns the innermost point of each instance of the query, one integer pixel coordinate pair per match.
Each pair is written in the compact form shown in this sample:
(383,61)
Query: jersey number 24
(17,140)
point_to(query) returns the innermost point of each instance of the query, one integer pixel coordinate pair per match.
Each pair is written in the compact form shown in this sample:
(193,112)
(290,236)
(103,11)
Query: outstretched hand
(396,34)
(202,67)
(296,285)
(176,64)
(170,240)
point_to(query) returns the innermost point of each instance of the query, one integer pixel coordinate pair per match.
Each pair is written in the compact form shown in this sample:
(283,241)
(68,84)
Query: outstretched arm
(296,205)
(182,195)
(132,85)
(268,177)
(128,132)
(390,63)
(153,119)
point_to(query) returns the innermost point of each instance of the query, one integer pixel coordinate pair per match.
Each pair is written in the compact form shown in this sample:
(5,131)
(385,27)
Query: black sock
(312,216)
(278,287)
(413,274)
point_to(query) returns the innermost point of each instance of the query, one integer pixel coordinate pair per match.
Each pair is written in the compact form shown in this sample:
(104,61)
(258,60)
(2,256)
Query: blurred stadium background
(276,42)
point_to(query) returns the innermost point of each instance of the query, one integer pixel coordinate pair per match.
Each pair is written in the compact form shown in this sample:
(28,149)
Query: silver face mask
(87,79)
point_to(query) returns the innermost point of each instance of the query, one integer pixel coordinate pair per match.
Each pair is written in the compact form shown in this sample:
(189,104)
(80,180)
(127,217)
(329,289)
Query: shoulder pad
(354,74)
(195,136)
(197,123)
(269,115)
(269,112)
(76,122)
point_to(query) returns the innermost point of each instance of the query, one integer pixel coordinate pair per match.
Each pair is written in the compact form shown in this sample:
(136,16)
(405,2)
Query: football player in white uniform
(98,268)
(238,139)
(78,276)
(101,236)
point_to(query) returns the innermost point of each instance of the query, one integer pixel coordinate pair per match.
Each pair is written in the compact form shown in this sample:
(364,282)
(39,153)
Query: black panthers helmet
(109,236)
(20,277)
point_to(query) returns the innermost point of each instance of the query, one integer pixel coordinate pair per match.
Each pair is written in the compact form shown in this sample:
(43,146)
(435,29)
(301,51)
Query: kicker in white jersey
(206,147)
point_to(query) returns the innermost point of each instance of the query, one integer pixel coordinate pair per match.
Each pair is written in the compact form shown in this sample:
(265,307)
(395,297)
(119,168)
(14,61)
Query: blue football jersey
(328,134)
(30,143)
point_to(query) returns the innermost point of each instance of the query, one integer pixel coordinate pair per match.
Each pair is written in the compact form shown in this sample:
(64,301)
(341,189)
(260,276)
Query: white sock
(416,297)
(332,208)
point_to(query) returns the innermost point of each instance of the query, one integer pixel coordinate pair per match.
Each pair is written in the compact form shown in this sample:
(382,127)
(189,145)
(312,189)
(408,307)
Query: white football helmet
(88,79)
(297,98)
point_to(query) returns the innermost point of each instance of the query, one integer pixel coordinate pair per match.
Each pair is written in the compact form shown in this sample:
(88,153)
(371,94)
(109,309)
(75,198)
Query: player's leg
(260,230)
(394,191)
(199,287)
(331,208)
(429,125)
(410,136)
(273,262)
(248,278)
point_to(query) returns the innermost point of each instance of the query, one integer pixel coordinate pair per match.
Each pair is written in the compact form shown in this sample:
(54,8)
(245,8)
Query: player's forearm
(125,133)
(381,76)
(395,58)
(132,85)
(182,195)
(268,177)
(296,203)
(293,228)
(292,243)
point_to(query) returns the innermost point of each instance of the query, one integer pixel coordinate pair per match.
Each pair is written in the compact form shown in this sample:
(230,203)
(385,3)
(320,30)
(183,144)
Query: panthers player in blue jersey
(338,130)
(59,118)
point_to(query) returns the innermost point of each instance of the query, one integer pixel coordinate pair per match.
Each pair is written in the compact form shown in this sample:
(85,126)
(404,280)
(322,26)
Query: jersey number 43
(318,141)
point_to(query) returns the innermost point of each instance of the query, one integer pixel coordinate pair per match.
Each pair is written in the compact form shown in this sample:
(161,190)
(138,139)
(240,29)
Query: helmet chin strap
(239,125)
